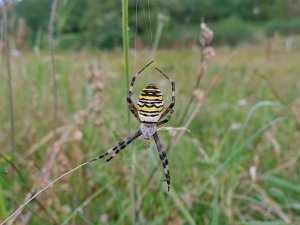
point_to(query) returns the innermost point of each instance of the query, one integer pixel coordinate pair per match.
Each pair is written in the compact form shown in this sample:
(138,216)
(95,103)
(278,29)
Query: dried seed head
(252,173)
(98,107)
(206,34)
(90,107)
(202,69)
(97,86)
(271,138)
(66,188)
(209,53)
(97,74)
(188,199)
(63,162)
(235,126)
(104,218)
(78,120)
(78,135)
(198,95)
(99,122)
(242,102)
(83,114)
(163,18)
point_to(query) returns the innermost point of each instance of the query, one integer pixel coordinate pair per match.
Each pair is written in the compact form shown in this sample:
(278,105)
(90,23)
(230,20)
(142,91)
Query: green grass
(209,167)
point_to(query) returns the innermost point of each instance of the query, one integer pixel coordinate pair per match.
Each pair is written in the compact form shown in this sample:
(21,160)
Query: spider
(149,112)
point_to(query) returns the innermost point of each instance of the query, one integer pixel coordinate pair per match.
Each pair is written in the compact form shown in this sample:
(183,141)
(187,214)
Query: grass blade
(280,182)
(238,150)
(215,215)
(185,212)
(267,223)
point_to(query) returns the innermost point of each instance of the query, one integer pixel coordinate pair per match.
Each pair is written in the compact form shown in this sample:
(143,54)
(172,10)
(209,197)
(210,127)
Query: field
(238,162)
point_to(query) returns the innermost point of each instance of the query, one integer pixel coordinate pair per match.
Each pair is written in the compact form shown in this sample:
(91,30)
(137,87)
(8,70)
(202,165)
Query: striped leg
(161,122)
(121,145)
(163,157)
(170,107)
(131,106)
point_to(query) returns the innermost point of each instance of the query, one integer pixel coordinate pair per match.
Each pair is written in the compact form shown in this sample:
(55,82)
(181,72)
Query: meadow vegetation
(239,164)
(233,153)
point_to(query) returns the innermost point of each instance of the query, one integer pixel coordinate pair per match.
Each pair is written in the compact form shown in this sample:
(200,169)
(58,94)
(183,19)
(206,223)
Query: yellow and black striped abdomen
(150,104)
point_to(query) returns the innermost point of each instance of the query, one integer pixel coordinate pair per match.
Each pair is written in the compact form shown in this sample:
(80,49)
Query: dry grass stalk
(199,97)
(21,33)
(19,210)
(85,203)
(96,80)
(54,147)
(292,108)
(69,134)
(174,218)
(52,51)
(207,54)
(6,9)
(272,204)
(270,136)
(44,140)
(30,191)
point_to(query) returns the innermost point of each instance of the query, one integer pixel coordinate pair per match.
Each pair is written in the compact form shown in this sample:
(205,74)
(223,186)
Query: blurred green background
(99,23)
(237,163)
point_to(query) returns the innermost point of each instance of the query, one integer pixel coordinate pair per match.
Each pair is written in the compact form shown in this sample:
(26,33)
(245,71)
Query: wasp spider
(149,112)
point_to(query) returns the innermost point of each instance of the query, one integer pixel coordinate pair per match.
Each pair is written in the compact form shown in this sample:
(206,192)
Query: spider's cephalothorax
(150,114)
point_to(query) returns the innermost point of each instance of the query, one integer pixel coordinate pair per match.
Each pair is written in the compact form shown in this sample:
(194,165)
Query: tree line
(99,23)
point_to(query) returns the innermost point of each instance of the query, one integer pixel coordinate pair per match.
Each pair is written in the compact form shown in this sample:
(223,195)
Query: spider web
(176,160)
(149,27)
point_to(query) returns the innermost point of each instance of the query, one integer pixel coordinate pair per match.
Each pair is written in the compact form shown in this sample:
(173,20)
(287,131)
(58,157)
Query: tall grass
(126,50)
(5,13)
(211,183)
(126,72)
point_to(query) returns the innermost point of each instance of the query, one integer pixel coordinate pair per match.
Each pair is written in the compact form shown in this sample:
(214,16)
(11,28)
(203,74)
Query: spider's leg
(161,122)
(170,107)
(163,157)
(131,106)
(121,145)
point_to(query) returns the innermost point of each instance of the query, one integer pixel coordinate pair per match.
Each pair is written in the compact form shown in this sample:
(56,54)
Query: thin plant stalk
(206,37)
(47,186)
(197,108)
(126,50)
(40,191)
(87,201)
(190,101)
(9,83)
(126,71)
(53,150)
(51,46)
(2,40)
(25,186)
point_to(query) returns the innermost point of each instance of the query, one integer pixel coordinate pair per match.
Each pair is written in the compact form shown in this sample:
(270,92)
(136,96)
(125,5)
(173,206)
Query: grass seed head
(198,95)
(206,35)
(209,53)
